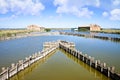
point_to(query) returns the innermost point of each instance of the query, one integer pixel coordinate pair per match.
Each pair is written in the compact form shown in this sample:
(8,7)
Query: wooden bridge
(51,46)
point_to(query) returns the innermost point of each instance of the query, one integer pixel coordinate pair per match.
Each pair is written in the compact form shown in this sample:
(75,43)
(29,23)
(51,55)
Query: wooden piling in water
(22,64)
(96,64)
(66,46)
(91,36)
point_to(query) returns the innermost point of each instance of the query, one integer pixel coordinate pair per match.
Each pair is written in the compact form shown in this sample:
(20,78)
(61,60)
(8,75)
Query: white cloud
(60,2)
(3,6)
(76,7)
(105,14)
(81,12)
(21,7)
(115,14)
(97,3)
(112,11)
(116,2)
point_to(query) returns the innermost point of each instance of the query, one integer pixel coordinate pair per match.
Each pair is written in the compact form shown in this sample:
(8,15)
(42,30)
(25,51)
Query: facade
(35,28)
(91,27)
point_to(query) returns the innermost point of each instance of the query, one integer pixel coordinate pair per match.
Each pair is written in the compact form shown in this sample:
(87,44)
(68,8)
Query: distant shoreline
(110,31)
(29,35)
(20,33)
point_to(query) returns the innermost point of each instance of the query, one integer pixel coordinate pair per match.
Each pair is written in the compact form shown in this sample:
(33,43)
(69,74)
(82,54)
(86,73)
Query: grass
(14,32)
(9,33)
(112,31)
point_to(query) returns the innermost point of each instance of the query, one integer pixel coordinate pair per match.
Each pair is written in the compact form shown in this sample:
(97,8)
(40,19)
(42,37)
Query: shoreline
(28,35)
(116,39)
(106,32)
(109,31)
(22,35)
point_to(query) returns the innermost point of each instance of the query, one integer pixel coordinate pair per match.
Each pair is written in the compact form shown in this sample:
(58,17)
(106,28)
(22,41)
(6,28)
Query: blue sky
(59,13)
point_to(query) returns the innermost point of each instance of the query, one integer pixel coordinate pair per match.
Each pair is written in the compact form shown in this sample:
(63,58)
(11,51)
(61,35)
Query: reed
(10,33)
(112,31)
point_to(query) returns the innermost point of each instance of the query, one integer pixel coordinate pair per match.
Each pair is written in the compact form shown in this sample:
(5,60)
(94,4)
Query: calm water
(93,33)
(59,64)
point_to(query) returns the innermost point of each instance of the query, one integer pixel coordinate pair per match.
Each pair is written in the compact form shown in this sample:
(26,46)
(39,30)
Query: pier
(68,47)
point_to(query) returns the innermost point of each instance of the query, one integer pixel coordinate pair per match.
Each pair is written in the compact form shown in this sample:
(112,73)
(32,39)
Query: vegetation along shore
(16,33)
(111,31)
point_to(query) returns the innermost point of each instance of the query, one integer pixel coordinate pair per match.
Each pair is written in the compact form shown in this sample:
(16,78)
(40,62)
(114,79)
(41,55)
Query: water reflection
(30,69)
(94,33)
(59,65)
(92,71)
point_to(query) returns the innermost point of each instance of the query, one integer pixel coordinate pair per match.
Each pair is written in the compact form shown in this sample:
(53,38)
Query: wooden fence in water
(23,64)
(96,64)
(92,36)
(66,46)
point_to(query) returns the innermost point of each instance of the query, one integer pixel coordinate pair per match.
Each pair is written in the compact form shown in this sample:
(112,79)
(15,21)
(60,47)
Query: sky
(59,13)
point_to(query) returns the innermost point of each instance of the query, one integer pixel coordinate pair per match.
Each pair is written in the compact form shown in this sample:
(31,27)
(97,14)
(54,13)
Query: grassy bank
(112,31)
(9,33)
(16,33)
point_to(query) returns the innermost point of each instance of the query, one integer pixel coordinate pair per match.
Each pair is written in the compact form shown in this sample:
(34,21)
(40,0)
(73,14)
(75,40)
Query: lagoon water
(59,65)
(94,33)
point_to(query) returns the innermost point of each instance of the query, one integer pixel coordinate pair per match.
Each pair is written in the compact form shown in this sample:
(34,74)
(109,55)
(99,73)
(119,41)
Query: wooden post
(11,73)
(113,69)
(75,53)
(108,71)
(27,62)
(78,55)
(83,58)
(16,66)
(22,64)
(90,60)
(86,58)
(99,62)
(30,59)
(7,72)
(39,53)
(102,65)
(19,64)
(96,63)
(4,76)
(33,56)
(12,65)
